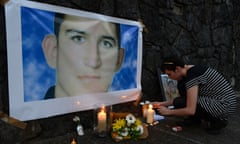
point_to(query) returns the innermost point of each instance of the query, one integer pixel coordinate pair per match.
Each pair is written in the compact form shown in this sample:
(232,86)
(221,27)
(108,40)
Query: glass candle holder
(145,108)
(101,119)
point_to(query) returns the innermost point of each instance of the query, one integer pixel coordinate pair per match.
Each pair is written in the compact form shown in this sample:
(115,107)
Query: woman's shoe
(216,126)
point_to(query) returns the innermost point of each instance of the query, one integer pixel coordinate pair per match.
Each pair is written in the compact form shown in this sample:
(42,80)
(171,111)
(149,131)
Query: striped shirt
(215,94)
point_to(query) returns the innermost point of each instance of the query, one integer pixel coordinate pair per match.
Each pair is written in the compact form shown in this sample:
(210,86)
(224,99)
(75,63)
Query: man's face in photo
(87,56)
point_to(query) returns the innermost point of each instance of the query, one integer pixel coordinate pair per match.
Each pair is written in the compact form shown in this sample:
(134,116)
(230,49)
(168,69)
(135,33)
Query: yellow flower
(138,122)
(119,124)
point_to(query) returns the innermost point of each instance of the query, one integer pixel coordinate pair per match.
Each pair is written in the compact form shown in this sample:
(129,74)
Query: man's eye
(107,44)
(78,39)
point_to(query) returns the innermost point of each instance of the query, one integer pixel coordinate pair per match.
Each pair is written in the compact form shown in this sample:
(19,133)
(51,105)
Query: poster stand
(4,117)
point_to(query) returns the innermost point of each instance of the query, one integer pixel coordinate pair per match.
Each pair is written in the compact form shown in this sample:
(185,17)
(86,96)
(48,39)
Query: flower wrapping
(127,126)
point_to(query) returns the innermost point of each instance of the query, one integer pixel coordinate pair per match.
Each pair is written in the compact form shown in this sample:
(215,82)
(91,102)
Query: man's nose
(93,59)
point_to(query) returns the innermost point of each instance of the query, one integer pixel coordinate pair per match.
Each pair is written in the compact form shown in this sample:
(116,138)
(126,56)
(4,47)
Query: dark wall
(203,31)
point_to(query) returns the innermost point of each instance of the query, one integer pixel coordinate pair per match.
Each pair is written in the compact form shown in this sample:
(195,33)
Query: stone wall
(203,31)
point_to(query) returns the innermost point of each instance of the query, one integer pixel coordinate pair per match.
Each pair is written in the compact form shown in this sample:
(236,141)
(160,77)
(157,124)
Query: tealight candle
(150,114)
(102,120)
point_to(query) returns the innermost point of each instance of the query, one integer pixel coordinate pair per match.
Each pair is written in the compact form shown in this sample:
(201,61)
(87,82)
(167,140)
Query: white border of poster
(35,109)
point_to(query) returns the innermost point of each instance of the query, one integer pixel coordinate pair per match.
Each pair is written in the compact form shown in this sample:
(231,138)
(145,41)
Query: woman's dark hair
(171,62)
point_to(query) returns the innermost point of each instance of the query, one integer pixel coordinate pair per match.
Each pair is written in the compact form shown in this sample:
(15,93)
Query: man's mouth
(82,77)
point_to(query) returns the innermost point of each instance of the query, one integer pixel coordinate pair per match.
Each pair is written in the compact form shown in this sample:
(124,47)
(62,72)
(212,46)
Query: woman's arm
(191,104)
(159,104)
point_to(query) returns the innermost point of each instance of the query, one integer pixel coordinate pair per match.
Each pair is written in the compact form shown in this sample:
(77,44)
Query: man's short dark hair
(59,18)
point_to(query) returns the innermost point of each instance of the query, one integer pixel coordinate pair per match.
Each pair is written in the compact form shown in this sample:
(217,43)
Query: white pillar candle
(150,114)
(102,120)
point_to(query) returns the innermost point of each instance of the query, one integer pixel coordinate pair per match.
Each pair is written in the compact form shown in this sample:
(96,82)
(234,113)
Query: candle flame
(150,106)
(103,109)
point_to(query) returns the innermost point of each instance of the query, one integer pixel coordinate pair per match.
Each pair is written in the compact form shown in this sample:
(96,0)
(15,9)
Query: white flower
(130,119)
(124,132)
(140,128)
(76,119)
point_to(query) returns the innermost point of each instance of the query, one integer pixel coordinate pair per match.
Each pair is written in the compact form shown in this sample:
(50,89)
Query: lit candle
(102,120)
(73,141)
(150,114)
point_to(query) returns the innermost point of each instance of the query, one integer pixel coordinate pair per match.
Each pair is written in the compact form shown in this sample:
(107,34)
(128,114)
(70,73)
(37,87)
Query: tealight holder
(101,120)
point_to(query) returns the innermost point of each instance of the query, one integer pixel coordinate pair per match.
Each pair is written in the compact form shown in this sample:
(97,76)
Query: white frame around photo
(36,109)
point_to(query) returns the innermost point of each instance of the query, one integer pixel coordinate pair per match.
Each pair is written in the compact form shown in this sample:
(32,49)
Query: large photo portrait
(70,58)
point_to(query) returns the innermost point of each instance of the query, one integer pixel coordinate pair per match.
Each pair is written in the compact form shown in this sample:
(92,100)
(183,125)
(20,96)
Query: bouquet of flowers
(127,128)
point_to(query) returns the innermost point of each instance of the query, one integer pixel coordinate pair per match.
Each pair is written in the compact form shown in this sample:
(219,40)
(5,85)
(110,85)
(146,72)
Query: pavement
(197,135)
(160,133)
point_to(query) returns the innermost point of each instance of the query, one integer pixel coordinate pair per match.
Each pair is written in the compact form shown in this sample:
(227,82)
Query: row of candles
(148,114)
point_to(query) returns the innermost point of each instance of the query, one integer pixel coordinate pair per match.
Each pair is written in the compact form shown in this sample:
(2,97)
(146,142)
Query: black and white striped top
(216,95)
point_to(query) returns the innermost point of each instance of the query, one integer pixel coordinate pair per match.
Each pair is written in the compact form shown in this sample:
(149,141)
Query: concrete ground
(197,135)
(162,134)
(158,134)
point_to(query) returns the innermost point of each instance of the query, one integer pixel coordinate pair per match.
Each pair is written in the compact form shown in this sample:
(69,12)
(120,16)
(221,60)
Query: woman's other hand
(156,105)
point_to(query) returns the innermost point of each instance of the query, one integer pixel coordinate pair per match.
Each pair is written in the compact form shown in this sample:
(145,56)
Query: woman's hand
(156,105)
(164,110)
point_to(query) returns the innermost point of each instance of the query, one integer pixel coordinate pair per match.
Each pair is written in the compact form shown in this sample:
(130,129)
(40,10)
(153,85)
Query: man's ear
(120,58)
(49,45)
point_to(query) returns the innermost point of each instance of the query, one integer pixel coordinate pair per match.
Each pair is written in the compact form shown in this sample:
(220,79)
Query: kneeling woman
(204,95)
